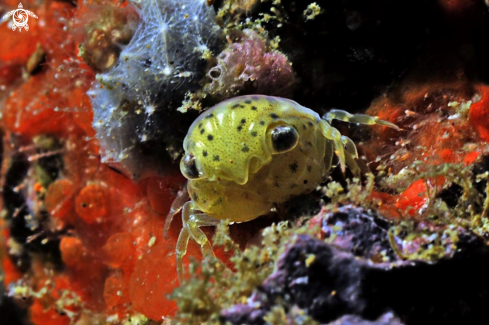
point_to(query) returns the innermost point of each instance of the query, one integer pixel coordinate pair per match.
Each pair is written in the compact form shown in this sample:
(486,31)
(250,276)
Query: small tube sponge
(134,103)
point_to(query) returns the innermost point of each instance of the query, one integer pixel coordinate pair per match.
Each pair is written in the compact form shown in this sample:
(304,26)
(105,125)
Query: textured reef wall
(98,95)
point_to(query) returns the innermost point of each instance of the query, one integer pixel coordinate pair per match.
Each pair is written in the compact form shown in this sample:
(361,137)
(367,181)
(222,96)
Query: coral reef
(66,217)
(420,166)
(97,96)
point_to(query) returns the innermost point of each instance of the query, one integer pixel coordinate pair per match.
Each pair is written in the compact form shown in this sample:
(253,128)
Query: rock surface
(328,282)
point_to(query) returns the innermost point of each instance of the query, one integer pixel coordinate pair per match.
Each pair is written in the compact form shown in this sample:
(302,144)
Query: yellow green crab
(249,153)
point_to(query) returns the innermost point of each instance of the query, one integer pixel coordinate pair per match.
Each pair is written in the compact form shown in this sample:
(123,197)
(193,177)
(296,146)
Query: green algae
(201,298)
(312,11)
(278,316)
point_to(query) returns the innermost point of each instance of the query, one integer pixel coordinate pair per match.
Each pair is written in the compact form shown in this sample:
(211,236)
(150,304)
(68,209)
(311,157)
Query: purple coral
(250,59)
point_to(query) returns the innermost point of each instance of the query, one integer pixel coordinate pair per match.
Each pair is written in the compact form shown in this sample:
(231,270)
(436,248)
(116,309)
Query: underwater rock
(328,283)
(361,232)
(386,319)
(367,235)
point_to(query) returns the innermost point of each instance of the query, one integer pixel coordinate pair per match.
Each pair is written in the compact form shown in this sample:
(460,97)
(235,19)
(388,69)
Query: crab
(247,154)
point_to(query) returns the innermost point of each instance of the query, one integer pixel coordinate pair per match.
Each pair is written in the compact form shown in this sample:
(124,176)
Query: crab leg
(191,229)
(334,135)
(338,114)
(176,206)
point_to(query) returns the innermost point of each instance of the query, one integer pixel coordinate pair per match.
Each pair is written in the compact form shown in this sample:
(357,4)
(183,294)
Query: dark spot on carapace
(195,197)
(210,115)
(243,121)
(245,148)
(200,125)
(262,122)
(304,181)
(310,123)
(293,167)
(235,106)
(204,153)
(210,137)
(216,158)
(309,168)
(276,184)
(293,186)
(309,143)
(304,126)
(202,131)
(254,108)
(248,101)
(254,134)
(239,128)
(273,115)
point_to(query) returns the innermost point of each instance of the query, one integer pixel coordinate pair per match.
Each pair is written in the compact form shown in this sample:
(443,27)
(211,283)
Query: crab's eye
(188,167)
(284,138)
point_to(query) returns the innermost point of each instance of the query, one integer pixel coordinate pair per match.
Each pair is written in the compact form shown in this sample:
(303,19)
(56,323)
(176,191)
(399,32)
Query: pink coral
(248,58)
